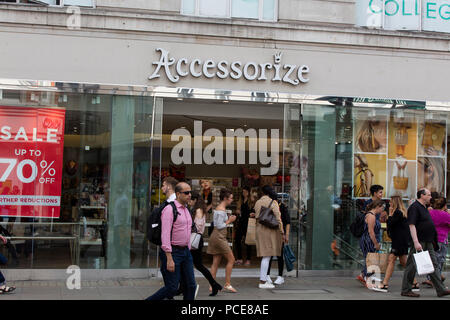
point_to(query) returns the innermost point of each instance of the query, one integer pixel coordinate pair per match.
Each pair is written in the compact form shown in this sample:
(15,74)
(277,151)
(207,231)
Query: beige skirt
(218,243)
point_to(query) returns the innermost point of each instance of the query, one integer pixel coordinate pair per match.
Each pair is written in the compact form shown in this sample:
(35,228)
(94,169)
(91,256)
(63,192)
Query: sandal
(229,288)
(428,284)
(415,287)
(6,289)
(380,288)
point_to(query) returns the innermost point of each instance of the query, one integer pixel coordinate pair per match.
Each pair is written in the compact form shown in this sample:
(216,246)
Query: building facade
(310,96)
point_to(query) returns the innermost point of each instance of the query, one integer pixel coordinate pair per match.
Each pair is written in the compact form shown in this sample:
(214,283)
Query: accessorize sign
(31,155)
(251,71)
(418,15)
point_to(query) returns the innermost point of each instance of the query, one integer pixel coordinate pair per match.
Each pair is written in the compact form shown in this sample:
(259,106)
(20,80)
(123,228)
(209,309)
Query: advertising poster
(371,136)
(31,156)
(431,174)
(432,138)
(401,178)
(369,169)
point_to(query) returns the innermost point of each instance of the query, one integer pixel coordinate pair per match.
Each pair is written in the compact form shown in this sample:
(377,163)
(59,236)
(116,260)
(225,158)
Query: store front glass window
(348,149)
(90,152)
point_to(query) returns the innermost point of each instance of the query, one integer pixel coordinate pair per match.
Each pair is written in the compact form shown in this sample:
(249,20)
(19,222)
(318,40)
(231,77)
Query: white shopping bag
(423,263)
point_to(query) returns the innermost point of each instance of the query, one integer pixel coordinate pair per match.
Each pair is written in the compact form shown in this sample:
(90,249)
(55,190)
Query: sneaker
(196,291)
(378,289)
(266,285)
(268,280)
(279,280)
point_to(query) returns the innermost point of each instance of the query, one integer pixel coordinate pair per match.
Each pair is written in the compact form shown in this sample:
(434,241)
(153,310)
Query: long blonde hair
(397,203)
(366,140)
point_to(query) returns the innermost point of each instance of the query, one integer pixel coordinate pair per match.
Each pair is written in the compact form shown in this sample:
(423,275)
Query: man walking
(175,255)
(168,188)
(423,234)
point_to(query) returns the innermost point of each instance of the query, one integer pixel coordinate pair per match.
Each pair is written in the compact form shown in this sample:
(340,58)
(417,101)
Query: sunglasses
(186,192)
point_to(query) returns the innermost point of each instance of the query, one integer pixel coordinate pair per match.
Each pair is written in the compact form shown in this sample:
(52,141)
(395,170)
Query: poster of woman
(431,174)
(369,169)
(371,136)
(432,138)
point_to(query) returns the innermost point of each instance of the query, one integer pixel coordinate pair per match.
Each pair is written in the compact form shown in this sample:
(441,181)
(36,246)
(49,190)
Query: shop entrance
(214,145)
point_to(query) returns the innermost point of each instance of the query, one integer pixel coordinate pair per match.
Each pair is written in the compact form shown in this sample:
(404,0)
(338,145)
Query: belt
(179,247)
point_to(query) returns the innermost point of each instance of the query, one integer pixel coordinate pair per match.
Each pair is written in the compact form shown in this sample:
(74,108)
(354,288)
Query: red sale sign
(31,155)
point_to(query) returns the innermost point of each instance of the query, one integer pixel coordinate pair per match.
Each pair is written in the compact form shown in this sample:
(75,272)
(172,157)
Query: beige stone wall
(118,47)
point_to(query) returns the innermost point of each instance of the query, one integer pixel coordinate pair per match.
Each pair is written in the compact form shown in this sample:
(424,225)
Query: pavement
(301,288)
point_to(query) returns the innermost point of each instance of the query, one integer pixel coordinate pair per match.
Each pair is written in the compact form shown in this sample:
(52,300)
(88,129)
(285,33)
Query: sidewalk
(303,288)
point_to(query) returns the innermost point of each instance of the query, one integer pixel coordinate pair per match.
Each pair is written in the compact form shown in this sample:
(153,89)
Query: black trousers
(280,260)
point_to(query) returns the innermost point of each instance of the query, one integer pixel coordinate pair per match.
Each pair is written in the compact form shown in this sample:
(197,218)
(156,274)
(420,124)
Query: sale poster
(31,161)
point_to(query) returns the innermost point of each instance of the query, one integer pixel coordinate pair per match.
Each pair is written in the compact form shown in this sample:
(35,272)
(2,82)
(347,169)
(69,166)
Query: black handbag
(267,217)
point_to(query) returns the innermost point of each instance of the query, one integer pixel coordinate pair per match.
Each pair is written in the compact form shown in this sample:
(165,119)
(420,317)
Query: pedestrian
(175,255)
(286,219)
(218,243)
(441,220)
(268,241)
(168,188)
(398,231)
(245,210)
(376,192)
(3,287)
(198,211)
(424,237)
(368,241)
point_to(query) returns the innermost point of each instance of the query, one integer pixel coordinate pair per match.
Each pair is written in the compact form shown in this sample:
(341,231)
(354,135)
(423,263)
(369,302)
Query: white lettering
(209,64)
(287,75)
(6,133)
(263,70)
(192,68)
(223,67)
(179,71)
(256,71)
(165,62)
(51,135)
(301,70)
(235,66)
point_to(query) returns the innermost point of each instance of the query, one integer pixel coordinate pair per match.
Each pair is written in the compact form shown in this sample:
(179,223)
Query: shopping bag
(423,263)
(289,257)
(195,240)
(250,237)
(376,260)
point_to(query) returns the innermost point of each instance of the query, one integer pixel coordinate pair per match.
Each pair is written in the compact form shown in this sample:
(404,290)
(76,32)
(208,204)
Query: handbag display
(289,257)
(250,237)
(375,259)
(195,240)
(267,217)
(424,264)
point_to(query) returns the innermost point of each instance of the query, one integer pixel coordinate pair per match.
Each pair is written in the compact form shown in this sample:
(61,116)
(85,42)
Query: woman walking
(398,230)
(441,220)
(218,243)
(198,210)
(268,241)
(244,212)
(368,241)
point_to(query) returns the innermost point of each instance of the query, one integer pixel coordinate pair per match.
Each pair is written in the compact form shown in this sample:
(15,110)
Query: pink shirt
(441,221)
(181,232)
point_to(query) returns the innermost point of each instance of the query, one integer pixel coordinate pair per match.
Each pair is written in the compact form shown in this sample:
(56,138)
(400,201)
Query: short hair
(224,193)
(179,186)
(421,192)
(375,204)
(375,188)
(171,181)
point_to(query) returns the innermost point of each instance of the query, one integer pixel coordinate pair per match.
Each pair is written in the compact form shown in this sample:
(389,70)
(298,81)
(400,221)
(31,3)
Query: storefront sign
(31,154)
(418,15)
(251,71)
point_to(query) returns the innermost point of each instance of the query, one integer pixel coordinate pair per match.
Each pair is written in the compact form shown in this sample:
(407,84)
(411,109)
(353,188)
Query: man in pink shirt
(175,255)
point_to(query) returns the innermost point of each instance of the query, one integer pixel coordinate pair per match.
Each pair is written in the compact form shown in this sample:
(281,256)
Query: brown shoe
(444,293)
(410,294)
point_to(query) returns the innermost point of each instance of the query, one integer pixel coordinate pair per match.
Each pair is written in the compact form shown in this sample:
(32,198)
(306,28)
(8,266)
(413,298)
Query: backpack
(357,226)
(154,222)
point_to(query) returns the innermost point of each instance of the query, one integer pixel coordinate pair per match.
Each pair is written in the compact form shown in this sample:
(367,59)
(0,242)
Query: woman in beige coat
(268,241)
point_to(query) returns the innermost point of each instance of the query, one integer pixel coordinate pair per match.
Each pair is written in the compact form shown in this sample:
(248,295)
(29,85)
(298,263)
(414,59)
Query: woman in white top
(198,209)
(218,243)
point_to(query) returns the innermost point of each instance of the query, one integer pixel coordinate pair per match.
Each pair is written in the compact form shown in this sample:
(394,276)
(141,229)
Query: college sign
(275,71)
(415,15)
